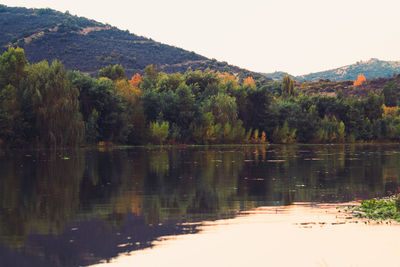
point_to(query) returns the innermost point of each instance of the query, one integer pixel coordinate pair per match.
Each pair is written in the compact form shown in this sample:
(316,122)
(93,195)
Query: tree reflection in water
(74,208)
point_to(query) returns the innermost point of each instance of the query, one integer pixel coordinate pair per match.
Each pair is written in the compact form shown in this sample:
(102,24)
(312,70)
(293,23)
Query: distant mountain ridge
(87,45)
(277,75)
(373,68)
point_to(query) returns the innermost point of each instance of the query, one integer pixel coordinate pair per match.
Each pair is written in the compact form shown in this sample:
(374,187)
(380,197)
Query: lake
(90,206)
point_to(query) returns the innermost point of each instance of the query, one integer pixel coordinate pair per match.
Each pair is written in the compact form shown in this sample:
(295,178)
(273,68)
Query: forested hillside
(87,45)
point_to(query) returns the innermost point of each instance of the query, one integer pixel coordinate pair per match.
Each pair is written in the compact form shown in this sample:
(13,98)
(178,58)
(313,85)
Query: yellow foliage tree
(263,138)
(249,81)
(128,91)
(255,137)
(226,77)
(389,111)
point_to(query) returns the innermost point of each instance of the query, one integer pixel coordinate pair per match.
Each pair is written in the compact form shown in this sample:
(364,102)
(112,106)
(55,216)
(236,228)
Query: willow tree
(12,72)
(223,107)
(55,105)
(11,119)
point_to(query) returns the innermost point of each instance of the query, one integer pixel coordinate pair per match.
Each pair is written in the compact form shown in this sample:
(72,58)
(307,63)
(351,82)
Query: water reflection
(295,235)
(77,207)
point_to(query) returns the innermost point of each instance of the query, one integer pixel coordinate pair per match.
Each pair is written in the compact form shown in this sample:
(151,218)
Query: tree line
(46,105)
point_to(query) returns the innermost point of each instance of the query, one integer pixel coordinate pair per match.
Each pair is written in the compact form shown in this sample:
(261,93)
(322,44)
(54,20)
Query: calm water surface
(78,208)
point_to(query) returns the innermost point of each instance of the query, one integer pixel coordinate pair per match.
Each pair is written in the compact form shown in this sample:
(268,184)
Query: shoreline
(150,146)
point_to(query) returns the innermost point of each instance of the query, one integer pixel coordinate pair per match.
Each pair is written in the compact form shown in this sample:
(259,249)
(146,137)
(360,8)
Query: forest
(46,105)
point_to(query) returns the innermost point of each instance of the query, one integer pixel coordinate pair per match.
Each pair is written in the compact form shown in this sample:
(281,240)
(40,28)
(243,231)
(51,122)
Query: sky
(295,36)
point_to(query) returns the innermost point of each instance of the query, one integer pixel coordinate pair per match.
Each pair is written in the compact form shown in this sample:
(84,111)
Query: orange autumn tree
(135,80)
(360,80)
(249,81)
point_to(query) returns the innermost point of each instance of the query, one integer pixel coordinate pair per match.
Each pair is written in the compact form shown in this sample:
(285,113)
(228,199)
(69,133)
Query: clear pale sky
(296,36)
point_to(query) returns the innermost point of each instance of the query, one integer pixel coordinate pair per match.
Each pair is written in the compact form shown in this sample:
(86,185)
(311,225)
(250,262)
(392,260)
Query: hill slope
(88,45)
(373,68)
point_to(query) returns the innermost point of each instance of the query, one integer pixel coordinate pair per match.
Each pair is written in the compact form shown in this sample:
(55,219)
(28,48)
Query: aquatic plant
(379,209)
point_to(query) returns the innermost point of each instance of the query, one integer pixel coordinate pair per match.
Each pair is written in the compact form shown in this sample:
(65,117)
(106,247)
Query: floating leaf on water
(337,223)
(307,223)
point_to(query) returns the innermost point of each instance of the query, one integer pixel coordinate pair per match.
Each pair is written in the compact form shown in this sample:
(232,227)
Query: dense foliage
(379,209)
(42,104)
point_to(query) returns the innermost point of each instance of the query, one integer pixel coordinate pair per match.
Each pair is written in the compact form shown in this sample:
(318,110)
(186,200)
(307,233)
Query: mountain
(88,45)
(277,75)
(371,69)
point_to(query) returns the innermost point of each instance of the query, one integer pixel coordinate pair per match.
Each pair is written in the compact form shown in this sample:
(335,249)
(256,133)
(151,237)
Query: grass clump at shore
(379,209)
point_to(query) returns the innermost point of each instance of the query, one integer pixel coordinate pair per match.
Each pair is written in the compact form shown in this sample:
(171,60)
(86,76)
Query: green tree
(284,134)
(159,131)
(151,104)
(223,107)
(11,119)
(341,132)
(227,136)
(373,106)
(12,67)
(92,128)
(150,78)
(390,94)
(202,83)
(58,121)
(114,122)
(287,86)
(186,106)
(238,132)
(169,82)
(114,73)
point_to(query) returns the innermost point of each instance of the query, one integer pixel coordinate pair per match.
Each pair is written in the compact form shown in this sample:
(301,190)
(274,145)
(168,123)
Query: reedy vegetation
(46,105)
